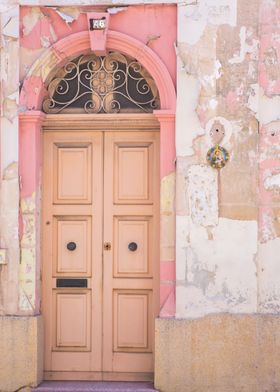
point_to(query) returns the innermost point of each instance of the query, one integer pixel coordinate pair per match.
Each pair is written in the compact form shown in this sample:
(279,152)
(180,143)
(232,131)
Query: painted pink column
(166,119)
(30,164)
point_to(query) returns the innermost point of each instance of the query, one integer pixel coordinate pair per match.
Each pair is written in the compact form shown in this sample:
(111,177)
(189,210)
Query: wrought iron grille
(106,84)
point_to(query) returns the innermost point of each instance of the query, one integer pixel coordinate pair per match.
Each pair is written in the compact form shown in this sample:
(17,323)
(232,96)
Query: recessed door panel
(72,319)
(132,247)
(132,177)
(132,321)
(72,169)
(73,243)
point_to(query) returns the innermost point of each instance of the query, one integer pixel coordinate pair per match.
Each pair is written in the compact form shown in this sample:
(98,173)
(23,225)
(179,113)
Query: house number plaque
(97,24)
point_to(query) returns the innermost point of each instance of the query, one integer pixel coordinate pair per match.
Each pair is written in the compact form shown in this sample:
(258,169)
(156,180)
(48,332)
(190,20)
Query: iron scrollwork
(102,84)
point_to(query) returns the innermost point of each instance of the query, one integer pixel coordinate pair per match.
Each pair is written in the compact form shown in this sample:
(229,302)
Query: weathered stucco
(221,261)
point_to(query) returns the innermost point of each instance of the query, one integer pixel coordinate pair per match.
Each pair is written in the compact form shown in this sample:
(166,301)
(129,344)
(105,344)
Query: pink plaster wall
(145,23)
(154,26)
(269,141)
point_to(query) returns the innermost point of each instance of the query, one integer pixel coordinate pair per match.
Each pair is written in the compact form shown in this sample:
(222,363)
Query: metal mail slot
(67,282)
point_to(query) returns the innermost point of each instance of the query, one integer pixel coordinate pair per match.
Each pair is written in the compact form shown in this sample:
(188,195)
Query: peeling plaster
(203,195)
(220,274)
(69,15)
(193,18)
(28,254)
(11,29)
(30,20)
(9,212)
(245,48)
(272,182)
(116,10)
(188,125)
(167,188)
(269,285)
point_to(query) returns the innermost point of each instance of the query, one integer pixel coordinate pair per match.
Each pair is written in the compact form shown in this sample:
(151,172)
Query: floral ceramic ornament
(217,157)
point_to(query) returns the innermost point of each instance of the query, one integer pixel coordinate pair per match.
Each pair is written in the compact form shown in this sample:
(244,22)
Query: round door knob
(132,246)
(71,246)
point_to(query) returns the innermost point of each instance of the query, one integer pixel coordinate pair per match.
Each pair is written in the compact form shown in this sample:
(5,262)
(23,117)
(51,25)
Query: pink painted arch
(34,91)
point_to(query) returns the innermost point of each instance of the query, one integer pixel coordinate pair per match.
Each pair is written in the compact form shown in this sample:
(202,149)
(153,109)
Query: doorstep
(94,386)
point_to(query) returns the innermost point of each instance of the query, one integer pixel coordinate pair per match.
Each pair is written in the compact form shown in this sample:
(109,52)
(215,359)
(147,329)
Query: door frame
(102,123)
(31,123)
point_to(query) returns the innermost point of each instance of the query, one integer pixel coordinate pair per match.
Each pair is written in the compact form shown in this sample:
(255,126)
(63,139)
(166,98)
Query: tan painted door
(100,253)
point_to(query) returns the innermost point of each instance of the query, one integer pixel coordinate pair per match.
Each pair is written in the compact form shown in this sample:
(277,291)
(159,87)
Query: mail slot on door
(70,282)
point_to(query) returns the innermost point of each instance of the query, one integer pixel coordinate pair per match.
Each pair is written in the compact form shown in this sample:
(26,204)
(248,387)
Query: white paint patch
(220,269)
(9,142)
(212,78)
(272,181)
(191,23)
(31,19)
(188,124)
(269,272)
(68,14)
(116,10)
(222,11)
(67,18)
(269,108)
(11,29)
(182,237)
(213,103)
(266,108)
(193,18)
(203,195)
(244,47)
(45,41)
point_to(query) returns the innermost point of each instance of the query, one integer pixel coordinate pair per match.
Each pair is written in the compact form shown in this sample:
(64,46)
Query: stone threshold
(94,386)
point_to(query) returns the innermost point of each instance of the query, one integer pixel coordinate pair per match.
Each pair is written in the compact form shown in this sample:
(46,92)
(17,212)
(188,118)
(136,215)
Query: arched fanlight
(102,84)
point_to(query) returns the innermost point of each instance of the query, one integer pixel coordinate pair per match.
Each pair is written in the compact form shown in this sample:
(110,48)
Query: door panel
(72,320)
(100,187)
(132,321)
(133,172)
(69,229)
(72,214)
(131,267)
(132,230)
(72,161)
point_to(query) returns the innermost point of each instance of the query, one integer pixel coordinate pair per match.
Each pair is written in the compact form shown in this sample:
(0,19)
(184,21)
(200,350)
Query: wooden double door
(100,253)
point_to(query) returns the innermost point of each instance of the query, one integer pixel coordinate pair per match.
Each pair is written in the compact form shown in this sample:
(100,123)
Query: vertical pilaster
(30,174)
(167,212)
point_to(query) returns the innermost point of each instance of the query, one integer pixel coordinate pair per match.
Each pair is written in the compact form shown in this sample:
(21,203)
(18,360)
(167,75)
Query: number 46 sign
(97,24)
